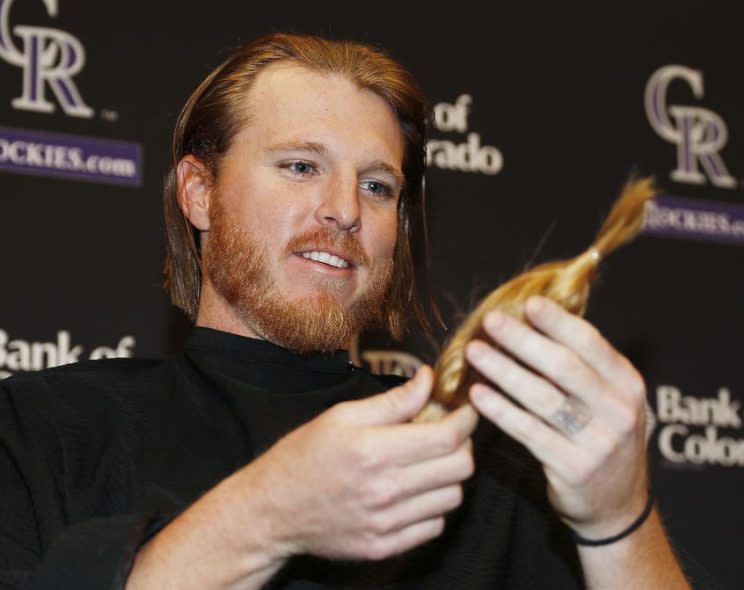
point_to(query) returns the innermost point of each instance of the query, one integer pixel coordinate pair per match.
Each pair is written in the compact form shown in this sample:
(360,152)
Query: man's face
(304,212)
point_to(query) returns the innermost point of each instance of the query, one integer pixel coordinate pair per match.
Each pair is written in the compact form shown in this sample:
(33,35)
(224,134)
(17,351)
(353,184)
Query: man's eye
(377,188)
(300,168)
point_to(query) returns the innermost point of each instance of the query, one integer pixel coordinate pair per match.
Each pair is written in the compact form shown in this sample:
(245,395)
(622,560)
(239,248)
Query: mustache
(324,238)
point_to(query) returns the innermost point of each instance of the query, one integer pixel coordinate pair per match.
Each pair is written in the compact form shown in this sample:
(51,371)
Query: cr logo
(699,133)
(49,56)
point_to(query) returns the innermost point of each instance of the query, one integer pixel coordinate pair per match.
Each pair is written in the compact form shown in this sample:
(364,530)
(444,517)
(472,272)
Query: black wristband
(579,540)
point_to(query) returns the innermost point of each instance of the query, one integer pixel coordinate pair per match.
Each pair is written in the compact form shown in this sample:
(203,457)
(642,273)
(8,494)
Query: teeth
(326,258)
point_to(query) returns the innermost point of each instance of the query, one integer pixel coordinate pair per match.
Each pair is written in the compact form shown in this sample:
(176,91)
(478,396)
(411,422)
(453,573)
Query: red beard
(236,266)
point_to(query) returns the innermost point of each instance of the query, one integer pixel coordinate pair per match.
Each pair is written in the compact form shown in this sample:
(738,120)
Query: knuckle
(592,339)
(337,412)
(465,462)
(580,473)
(450,438)
(527,427)
(627,417)
(368,456)
(468,464)
(545,395)
(381,493)
(455,498)
(592,335)
(628,420)
(438,526)
(636,385)
(380,524)
(563,360)
(587,471)
(392,398)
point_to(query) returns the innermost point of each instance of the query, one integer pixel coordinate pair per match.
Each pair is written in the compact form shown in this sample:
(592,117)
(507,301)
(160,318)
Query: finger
(405,444)
(549,447)
(532,391)
(407,538)
(582,337)
(554,361)
(399,404)
(425,506)
(417,478)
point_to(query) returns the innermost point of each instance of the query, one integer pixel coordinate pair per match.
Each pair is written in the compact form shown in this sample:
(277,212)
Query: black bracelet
(608,540)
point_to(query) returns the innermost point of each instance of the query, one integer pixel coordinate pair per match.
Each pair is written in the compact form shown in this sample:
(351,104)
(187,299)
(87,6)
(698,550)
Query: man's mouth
(326,258)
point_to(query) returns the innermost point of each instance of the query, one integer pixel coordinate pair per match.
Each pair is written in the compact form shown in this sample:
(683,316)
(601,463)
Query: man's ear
(195,185)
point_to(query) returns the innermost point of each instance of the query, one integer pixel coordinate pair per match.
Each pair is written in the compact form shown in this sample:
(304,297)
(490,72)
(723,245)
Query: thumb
(399,404)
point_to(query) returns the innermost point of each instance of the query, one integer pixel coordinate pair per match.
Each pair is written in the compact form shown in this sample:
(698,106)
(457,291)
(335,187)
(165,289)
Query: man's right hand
(361,482)
(357,482)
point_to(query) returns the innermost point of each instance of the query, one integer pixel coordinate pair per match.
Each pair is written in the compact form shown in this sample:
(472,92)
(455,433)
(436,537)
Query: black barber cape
(96,457)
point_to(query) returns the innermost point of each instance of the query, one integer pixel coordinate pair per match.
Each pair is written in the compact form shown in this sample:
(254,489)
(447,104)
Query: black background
(556,87)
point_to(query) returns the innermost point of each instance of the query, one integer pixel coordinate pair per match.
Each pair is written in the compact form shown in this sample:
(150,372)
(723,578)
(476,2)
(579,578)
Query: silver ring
(570,418)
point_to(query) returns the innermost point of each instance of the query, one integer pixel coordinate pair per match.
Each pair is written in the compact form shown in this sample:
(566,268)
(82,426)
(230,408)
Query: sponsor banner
(42,153)
(678,217)
(19,355)
(695,430)
(464,156)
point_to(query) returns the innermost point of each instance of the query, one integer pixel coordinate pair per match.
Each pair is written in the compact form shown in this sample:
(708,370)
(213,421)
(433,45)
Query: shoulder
(102,372)
(96,382)
(67,412)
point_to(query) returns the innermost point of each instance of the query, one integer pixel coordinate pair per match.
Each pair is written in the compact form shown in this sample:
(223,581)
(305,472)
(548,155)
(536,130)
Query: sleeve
(40,546)
(97,553)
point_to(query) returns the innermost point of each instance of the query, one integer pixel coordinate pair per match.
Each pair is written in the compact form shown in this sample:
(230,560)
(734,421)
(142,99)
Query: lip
(330,251)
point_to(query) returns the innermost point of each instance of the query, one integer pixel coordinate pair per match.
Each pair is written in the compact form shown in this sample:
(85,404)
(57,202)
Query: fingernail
(475,350)
(535,304)
(494,319)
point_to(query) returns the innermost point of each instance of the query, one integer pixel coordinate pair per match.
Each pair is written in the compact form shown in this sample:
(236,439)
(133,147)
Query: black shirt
(96,457)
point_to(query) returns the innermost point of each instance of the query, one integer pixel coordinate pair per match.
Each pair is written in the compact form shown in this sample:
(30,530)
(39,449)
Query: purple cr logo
(700,134)
(48,57)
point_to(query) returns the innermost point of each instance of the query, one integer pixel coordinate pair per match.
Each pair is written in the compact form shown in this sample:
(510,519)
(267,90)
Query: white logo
(699,133)
(49,57)
(689,432)
(468,156)
(22,355)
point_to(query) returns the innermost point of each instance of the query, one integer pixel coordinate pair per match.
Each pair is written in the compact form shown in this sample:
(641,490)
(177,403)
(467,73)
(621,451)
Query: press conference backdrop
(542,113)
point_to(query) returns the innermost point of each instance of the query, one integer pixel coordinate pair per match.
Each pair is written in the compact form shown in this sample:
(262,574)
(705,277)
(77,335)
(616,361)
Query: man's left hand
(580,410)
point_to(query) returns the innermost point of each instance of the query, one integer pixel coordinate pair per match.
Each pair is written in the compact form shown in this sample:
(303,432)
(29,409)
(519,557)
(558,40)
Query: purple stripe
(680,217)
(41,153)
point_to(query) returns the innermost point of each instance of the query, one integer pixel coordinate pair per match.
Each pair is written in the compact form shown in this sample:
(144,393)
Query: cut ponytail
(567,282)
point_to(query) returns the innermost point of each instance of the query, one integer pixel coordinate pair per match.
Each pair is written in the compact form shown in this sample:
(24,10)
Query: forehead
(291,103)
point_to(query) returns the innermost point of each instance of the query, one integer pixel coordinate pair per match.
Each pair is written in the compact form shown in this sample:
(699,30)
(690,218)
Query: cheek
(384,235)
(263,209)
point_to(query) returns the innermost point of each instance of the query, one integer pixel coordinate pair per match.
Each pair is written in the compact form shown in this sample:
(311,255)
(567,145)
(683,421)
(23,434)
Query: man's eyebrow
(388,169)
(298,146)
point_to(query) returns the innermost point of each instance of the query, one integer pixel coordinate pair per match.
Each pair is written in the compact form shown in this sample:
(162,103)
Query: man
(259,457)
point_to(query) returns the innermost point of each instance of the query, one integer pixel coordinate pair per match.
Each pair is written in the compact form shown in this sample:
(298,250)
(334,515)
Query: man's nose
(339,206)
